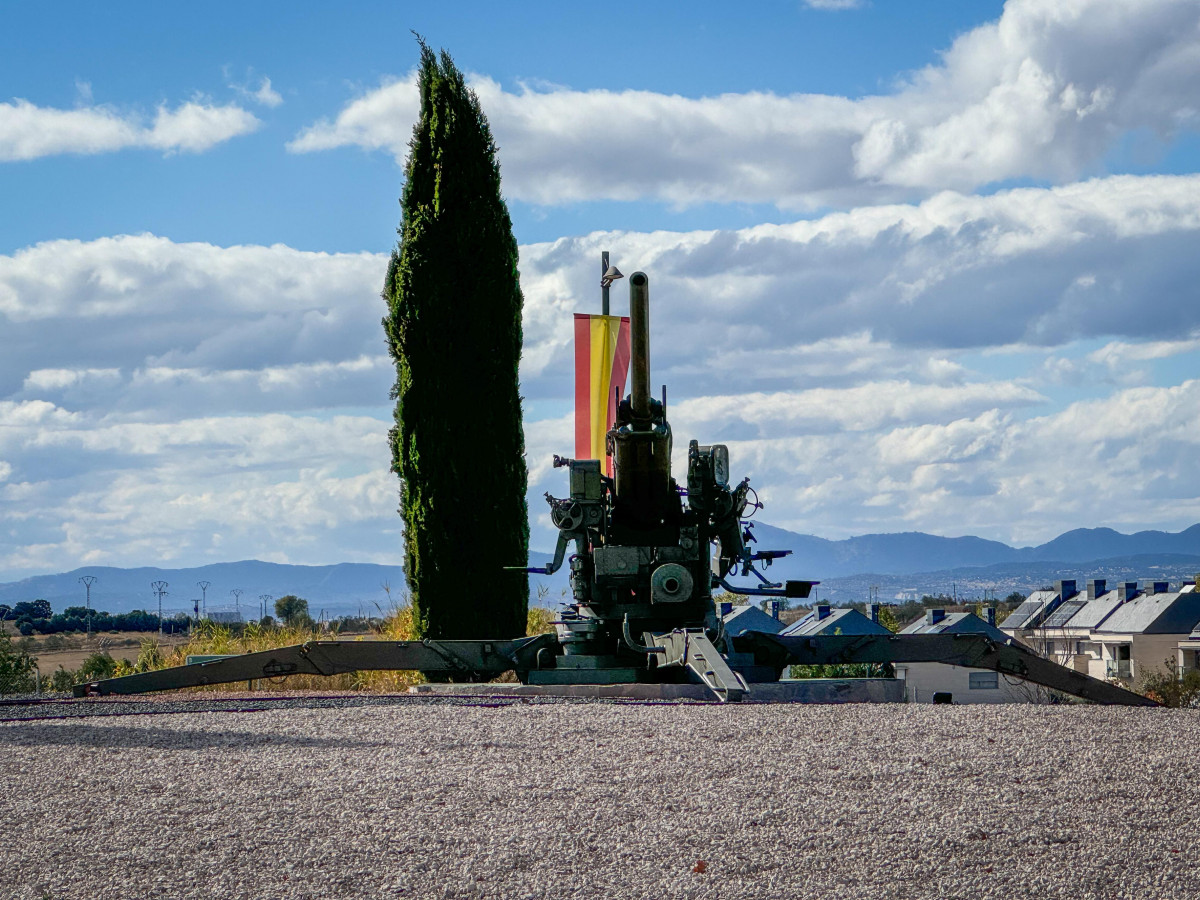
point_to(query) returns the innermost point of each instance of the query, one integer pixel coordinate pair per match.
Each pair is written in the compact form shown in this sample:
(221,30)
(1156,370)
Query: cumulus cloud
(1043,92)
(891,293)
(29,132)
(239,394)
(1038,267)
(147,306)
(124,492)
(1121,461)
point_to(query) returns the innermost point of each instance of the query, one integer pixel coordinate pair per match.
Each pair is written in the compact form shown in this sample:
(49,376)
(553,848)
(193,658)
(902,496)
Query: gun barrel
(639,333)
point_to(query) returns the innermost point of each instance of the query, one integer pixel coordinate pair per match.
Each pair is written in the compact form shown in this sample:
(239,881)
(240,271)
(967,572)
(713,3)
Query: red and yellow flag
(601,364)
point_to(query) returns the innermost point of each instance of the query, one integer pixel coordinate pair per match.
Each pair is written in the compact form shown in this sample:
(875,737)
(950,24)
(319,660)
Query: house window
(984,681)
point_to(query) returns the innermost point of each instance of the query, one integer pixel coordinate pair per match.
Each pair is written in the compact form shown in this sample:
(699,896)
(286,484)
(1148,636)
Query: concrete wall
(923,679)
(1151,651)
(805,690)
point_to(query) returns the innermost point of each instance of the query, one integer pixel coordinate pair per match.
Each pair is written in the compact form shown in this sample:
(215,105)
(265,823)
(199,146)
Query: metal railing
(1118,668)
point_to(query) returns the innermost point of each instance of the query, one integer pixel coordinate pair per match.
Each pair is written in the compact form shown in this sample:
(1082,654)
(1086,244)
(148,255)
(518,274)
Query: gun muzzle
(639,334)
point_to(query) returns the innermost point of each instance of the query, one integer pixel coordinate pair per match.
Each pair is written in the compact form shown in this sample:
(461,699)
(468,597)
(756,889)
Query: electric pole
(263,599)
(203,585)
(237,601)
(88,581)
(160,588)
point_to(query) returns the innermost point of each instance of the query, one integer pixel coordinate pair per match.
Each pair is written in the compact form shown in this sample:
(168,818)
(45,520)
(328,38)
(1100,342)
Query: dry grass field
(70,650)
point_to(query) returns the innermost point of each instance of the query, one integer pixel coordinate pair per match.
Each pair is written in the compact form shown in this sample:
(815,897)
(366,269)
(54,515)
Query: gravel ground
(398,797)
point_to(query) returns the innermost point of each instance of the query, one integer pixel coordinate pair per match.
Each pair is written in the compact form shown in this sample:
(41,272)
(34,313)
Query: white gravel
(554,800)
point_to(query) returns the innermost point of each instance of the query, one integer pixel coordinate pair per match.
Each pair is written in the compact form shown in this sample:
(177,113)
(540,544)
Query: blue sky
(940,258)
(318,59)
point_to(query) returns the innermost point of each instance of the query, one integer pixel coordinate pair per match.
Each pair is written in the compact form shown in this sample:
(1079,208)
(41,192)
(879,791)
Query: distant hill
(1085,544)
(913,552)
(342,589)
(909,561)
(976,582)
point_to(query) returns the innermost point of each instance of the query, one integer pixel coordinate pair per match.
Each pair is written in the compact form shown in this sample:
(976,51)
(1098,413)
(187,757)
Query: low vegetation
(18,670)
(19,674)
(1170,688)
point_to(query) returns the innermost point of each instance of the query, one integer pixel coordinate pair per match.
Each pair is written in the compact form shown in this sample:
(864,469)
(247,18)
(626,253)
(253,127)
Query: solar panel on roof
(1061,616)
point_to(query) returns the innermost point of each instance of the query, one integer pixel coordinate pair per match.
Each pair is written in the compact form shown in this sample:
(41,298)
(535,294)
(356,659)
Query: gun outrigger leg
(479,660)
(975,651)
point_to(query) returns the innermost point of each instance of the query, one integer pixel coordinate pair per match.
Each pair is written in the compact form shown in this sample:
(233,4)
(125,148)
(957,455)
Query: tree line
(36,617)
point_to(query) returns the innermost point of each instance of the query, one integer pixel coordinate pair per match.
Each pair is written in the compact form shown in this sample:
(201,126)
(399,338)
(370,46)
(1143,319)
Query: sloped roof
(956,623)
(844,620)
(1029,614)
(750,618)
(1094,612)
(1167,613)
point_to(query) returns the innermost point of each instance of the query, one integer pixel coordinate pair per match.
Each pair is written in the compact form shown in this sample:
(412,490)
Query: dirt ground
(70,650)
(404,797)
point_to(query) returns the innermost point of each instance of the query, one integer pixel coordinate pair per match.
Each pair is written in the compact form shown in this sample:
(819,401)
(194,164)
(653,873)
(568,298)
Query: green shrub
(151,657)
(844,670)
(63,680)
(1170,688)
(96,667)
(18,670)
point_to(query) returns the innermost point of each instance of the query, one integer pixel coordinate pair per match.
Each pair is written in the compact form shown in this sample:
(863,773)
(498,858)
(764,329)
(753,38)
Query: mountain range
(895,564)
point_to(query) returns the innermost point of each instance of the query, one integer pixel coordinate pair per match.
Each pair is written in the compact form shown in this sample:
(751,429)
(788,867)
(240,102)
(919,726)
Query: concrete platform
(815,690)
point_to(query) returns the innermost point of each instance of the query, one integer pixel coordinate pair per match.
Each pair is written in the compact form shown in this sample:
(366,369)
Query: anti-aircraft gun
(642,570)
(647,554)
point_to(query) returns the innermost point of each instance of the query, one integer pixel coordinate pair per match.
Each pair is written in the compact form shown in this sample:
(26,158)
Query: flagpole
(604,282)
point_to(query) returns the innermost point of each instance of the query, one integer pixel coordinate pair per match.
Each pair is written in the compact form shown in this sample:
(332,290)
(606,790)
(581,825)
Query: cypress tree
(454,331)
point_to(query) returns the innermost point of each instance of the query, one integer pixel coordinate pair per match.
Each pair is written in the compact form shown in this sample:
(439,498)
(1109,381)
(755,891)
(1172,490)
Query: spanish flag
(601,364)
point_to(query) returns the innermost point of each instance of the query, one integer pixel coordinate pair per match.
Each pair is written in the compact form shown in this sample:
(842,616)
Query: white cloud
(164,390)
(263,94)
(154,394)
(1117,353)
(835,4)
(29,132)
(1043,92)
(266,95)
(255,324)
(1122,461)
(874,294)
(871,406)
(1041,267)
(120,493)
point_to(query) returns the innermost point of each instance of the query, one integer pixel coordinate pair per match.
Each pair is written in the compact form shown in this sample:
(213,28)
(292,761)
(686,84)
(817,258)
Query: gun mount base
(682,657)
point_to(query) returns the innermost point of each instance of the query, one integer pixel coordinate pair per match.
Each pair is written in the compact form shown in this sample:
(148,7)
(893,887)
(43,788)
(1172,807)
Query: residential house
(1065,636)
(962,683)
(1145,633)
(1022,621)
(739,619)
(824,619)
(1187,651)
